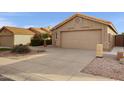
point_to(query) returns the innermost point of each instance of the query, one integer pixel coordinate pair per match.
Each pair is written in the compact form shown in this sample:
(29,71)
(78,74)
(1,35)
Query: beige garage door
(80,39)
(6,41)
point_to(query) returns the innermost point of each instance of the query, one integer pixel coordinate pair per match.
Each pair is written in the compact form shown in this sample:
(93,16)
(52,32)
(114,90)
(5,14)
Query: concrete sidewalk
(115,50)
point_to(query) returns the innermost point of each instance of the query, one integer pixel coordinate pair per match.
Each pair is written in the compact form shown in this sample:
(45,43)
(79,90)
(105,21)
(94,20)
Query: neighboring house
(84,32)
(10,36)
(40,30)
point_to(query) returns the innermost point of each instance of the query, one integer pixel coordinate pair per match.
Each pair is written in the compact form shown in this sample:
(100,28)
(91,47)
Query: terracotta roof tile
(18,31)
(39,30)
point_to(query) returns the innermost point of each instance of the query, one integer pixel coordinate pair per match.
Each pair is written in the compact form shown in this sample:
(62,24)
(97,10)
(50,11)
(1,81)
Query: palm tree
(45,37)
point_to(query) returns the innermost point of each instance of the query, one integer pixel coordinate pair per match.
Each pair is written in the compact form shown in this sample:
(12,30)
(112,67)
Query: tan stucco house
(84,32)
(11,36)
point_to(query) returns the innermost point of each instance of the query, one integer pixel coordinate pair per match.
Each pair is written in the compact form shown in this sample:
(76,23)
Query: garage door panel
(80,39)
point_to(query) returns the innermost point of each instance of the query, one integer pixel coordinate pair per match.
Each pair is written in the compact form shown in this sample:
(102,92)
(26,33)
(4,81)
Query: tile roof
(18,31)
(86,17)
(39,30)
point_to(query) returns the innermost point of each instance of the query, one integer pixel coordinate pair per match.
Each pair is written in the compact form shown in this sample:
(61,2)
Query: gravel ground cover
(107,67)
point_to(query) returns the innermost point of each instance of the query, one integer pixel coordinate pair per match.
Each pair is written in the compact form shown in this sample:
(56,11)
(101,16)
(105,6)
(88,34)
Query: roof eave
(113,27)
(87,17)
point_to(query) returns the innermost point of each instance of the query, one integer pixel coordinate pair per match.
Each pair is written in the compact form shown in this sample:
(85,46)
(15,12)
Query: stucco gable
(94,19)
(5,32)
(17,31)
(78,23)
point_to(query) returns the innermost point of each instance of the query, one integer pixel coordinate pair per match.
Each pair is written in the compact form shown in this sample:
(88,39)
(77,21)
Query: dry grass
(107,67)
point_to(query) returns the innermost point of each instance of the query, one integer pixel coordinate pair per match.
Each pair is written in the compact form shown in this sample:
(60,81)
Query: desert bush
(35,42)
(45,38)
(5,49)
(21,49)
(37,37)
(49,42)
(39,40)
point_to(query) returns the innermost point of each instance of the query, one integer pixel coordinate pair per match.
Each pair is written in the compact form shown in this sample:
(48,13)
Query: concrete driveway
(55,64)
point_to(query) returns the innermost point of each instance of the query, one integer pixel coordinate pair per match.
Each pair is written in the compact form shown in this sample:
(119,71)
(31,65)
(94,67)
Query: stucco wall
(80,23)
(6,38)
(5,32)
(22,39)
(6,41)
(83,24)
(110,37)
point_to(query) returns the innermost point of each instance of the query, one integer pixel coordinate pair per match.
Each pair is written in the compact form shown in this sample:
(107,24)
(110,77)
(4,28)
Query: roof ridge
(14,27)
(17,30)
(93,17)
(87,17)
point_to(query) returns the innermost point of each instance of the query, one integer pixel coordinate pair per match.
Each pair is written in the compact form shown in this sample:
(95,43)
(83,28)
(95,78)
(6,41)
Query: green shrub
(38,40)
(41,42)
(37,37)
(45,36)
(49,42)
(35,42)
(21,49)
(5,49)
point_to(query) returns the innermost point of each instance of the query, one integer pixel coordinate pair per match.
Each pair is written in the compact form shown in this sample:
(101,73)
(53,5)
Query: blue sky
(44,19)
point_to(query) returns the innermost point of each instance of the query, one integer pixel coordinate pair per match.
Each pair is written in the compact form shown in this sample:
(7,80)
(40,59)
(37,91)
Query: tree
(36,40)
(45,37)
(122,33)
(37,37)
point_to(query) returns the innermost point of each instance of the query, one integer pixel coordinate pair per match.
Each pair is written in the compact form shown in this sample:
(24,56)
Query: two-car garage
(84,32)
(80,39)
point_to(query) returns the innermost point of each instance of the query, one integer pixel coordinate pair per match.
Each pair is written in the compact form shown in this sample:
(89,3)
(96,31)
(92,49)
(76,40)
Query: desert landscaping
(79,48)
(106,67)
